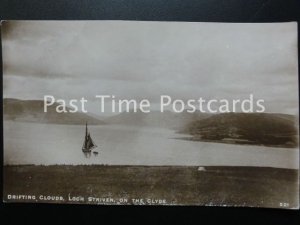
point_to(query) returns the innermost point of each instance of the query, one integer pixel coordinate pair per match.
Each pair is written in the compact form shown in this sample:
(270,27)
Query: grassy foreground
(98,184)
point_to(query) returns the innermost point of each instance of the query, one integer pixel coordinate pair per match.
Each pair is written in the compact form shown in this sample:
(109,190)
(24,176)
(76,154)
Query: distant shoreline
(234,142)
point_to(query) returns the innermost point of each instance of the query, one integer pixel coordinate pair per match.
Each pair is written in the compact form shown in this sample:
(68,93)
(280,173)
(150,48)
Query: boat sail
(88,143)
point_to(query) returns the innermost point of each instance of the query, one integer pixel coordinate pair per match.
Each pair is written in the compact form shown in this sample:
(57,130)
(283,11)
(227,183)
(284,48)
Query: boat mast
(86,130)
(86,135)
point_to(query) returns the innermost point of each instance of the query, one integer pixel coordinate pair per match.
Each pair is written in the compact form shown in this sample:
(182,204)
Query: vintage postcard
(151,113)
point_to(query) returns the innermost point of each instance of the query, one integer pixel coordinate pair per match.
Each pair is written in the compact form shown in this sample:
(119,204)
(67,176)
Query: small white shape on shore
(201,168)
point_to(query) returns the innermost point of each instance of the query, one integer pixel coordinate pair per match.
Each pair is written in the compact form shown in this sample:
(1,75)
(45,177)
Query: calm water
(27,143)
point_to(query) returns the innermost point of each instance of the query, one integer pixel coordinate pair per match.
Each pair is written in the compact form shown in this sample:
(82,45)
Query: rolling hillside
(166,119)
(248,128)
(33,111)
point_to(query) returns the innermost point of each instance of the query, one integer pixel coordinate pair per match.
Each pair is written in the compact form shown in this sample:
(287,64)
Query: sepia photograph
(151,113)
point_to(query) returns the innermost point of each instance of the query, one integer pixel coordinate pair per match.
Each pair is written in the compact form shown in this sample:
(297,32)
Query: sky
(143,60)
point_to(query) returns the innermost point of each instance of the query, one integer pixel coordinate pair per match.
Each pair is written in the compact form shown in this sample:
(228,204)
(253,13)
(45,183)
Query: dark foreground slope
(231,186)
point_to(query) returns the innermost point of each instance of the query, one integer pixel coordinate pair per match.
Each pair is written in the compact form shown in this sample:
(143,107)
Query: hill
(246,128)
(33,111)
(166,119)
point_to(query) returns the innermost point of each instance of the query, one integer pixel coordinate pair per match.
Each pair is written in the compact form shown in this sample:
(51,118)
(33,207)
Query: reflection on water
(32,143)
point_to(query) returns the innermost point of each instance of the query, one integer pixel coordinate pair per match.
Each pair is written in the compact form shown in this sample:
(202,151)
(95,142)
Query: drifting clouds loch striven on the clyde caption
(151,113)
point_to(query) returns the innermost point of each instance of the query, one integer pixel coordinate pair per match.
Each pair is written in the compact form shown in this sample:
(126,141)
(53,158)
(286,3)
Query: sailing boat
(88,143)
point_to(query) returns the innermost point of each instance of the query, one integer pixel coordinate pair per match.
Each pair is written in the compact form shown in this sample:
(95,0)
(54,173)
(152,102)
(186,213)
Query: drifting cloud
(146,59)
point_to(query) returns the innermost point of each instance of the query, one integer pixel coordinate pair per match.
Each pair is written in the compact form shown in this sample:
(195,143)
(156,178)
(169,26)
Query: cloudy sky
(136,60)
